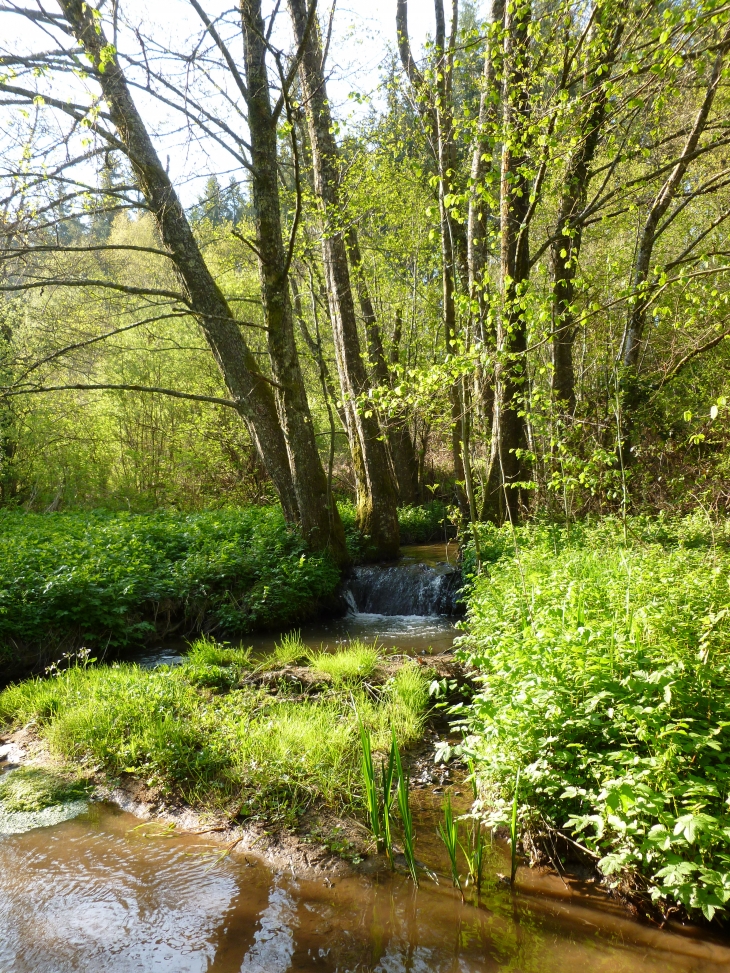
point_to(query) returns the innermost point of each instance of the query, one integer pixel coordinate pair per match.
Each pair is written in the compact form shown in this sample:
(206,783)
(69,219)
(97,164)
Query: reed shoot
(474,854)
(370,785)
(409,836)
(513,829)
(449,834)
(388,776)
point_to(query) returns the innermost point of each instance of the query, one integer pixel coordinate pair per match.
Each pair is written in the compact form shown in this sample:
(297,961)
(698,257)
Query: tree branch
(109,387)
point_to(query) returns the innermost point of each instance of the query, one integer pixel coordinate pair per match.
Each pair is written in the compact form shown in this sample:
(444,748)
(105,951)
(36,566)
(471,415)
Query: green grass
(605,669)
(100,579)
(239,749)
(358,661)
(288,651)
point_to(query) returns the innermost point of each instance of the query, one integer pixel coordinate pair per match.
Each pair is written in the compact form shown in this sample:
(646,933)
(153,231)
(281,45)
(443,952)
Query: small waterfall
(404,589)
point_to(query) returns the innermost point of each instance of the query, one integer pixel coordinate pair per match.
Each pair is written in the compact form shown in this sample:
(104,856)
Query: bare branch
(9,391)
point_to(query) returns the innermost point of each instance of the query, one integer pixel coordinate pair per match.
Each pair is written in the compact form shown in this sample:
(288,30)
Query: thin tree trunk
(632,392)
(377,500)
(565,249)
(314,346)
(478,244)
(248,387)
(398,436)
(328,390)
(509,438)
(438,115)
(319,518)
(634,332)
(451,233)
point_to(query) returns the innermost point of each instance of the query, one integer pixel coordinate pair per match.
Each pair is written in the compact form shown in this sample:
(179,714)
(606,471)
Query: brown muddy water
(92,894)
(95,896)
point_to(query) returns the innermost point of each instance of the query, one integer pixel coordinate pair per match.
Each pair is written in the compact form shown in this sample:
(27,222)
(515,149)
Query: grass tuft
(244,750)
(357,661)
(287,651)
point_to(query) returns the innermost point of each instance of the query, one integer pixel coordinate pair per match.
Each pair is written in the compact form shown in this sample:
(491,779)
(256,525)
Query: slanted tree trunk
(248,387)
(634,331)
(568,234)
(644,285)
(377,499)
(509,434)
(398,435)
(319,518)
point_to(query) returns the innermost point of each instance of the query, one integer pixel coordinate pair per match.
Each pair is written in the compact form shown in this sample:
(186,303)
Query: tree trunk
(398,435)
(248,387)
(565,249)
(319,518)
(478,249)
(509,434)
(632,392)
(478,242)
(437,113)
(377,501)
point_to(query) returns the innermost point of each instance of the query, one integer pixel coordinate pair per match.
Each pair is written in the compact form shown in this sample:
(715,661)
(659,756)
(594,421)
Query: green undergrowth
(116,579)
(604,655)
(35,789)
(203,733)
(357,661)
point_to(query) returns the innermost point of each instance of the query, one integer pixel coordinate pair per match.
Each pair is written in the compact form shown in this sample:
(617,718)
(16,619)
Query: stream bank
(307,893)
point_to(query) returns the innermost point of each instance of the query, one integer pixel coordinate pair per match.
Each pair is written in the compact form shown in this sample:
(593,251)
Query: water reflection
(91,895)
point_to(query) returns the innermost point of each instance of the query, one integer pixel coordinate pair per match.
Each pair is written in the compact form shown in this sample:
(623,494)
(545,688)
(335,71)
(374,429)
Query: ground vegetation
(209,733)
(602,655)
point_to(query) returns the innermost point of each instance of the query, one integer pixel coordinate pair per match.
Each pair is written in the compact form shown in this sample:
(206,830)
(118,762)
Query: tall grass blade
(474,854)
(449,834)
(370,784)
(513,829)
(388,776)
(473,777)
(409,836)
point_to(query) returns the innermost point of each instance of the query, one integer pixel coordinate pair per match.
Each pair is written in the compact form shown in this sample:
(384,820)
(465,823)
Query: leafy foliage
(605,669)
(113,579)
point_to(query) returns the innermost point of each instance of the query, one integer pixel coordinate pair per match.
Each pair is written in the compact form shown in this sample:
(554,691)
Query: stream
(93,894)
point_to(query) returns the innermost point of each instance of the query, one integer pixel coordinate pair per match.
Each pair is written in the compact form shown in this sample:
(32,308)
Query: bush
(606,680)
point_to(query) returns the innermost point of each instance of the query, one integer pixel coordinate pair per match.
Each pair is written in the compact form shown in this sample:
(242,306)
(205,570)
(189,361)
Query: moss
(35,789)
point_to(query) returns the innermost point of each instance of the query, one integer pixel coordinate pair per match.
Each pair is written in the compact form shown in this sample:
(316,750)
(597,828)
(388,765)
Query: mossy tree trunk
(377,498)
(319,518)
(251,390)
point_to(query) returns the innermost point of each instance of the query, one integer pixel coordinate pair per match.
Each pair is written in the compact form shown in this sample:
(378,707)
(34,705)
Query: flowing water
(93,894)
